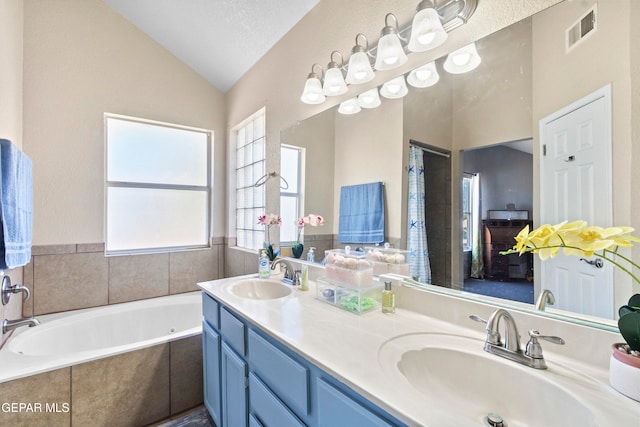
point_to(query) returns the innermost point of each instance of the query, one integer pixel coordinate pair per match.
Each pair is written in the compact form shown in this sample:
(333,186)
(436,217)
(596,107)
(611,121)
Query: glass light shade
(350,106)
(369,99)
(360,70)
(424,76)
(334,82)
(426,31)
(396,88)
(390,53)
(312,93)
(462,60)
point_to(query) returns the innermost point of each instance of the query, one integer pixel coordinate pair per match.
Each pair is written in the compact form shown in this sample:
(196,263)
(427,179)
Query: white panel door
(575,175)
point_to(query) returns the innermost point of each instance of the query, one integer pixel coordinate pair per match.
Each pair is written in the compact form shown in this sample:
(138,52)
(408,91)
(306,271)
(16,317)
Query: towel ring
(266,177)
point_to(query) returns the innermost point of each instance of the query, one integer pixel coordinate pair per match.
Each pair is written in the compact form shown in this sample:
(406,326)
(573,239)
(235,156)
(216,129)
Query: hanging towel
(16,210)
(361,213)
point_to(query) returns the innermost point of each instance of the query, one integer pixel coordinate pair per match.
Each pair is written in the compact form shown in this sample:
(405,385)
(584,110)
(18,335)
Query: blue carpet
(516,290)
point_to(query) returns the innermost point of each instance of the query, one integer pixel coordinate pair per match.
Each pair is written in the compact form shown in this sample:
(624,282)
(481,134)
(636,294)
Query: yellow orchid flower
(578,239)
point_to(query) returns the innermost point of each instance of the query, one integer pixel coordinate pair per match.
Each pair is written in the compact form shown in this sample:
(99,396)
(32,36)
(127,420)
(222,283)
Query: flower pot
(297,249)
(624,373)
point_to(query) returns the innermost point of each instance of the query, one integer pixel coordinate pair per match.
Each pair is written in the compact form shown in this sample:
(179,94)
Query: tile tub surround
(75,276)
(130,389)
(339,342)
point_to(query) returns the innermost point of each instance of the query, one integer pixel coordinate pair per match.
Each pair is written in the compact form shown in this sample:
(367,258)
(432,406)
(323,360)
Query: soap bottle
(304,282)
(311,256)
(264,272)
(388,299)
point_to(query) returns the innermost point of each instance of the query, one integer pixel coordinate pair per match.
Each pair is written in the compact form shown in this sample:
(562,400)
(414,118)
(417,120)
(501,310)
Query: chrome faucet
(545,297)
(510,348)
(9,325)
(291,276)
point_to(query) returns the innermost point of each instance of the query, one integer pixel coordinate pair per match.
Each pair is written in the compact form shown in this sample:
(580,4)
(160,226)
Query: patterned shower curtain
(417,232)
(477,263)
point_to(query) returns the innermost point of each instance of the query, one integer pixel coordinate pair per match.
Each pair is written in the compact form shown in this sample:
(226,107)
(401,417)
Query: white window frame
(251,227)
(468,215)
(298,195)
(140,185)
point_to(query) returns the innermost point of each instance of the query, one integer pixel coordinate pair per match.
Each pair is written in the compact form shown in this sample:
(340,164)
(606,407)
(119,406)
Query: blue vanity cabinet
(260,382)
(234,389)
(211,365)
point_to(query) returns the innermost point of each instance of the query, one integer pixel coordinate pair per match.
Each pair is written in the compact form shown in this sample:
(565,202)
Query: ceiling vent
(583,28)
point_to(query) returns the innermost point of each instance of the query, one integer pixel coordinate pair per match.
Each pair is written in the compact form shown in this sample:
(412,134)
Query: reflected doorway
(503,207)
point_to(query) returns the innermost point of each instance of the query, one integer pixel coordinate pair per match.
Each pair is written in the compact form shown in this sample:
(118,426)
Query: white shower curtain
(417,233)
(477,263)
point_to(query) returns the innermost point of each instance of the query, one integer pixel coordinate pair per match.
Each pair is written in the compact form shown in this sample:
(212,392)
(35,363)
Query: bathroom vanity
(277,356)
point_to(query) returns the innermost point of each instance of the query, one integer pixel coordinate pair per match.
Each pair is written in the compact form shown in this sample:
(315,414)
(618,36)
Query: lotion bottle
(264,272)
(388,299)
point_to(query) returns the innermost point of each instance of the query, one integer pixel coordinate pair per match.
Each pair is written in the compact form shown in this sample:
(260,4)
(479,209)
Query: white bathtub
(79,336)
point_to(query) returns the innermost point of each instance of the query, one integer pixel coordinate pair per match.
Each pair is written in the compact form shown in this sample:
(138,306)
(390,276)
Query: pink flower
(312,220)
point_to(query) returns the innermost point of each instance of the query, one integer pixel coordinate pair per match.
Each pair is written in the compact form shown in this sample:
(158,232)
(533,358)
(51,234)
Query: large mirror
(490,118)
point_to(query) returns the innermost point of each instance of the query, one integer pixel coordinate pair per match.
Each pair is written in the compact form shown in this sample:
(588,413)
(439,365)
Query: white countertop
(347,346)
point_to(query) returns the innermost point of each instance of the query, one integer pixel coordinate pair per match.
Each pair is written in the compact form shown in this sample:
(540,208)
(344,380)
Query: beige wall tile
(52,388)
(131,389)
(190,267)
(138,277)
(53,249)
(186,374)
(69,281)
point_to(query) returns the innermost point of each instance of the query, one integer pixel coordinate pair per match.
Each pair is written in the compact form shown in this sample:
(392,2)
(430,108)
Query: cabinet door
(336,409)
(211,367)
(234,389)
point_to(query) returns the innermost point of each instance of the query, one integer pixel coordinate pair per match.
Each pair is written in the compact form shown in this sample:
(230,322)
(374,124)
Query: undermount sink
(259,289)
(453,373)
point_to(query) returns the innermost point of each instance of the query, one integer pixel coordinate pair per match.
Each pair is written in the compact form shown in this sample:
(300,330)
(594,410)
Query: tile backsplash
(75,276)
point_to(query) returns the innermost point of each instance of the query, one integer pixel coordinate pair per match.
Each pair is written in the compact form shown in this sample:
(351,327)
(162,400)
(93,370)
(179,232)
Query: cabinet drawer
(288,378)
(268,409)
(210,310)
(232,330)
(337,409)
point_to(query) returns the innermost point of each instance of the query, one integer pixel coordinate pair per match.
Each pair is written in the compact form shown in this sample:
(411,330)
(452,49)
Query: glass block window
(250,169)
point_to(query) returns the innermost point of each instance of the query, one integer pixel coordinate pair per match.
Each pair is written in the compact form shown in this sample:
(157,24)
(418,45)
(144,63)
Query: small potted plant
(579,239)
(312,220)
(624,366)
(270,220)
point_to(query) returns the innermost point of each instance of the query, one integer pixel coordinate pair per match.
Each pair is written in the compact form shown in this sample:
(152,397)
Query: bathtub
(79,336)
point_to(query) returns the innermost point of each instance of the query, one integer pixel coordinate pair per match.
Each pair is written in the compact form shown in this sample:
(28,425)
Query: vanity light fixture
(424,76)
(350,106)
(312,93)
(390,53)
(462,60)
(334,83)
(369,99)
(360,70)
(427,31)
(395,88)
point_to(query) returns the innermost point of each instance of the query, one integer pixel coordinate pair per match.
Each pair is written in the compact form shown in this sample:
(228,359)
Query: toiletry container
(388,299)
(264,270)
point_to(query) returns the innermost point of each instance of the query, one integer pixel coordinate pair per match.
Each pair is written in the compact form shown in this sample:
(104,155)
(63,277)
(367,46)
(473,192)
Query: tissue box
(356,300)
(388,260)
(348,268)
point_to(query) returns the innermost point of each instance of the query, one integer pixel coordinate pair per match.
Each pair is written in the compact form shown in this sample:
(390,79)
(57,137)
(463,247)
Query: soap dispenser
(388,299)
(264,272)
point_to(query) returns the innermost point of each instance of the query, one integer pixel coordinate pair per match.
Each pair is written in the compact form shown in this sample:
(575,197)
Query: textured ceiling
(220,39)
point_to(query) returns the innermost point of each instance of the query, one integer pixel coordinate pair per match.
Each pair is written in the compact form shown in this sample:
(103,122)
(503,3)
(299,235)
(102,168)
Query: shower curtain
(417,233)
(477,264)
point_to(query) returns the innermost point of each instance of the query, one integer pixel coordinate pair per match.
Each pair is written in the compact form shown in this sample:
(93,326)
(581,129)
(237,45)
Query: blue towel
(361,213)
(16,210)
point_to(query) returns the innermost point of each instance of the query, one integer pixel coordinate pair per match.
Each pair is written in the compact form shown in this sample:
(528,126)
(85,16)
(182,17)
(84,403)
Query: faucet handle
(493,337)
(534,349)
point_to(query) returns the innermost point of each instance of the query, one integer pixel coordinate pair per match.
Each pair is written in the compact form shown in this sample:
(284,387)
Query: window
(467,222)
(157,186)
(250,167)
(291,202)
